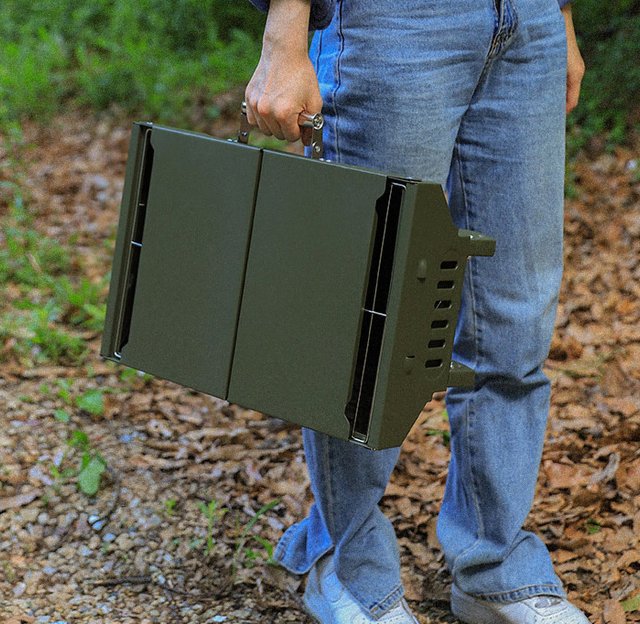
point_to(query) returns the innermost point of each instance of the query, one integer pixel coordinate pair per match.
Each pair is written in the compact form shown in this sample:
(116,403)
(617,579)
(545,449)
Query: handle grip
(305,120)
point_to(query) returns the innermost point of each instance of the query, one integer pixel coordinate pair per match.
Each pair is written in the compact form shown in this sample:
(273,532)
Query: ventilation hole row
(441,304)
(438,343)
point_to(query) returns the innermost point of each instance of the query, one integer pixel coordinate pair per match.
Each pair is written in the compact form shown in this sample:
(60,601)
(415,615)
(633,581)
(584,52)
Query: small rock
(33,579)
(51,541)
(30,514)
(124,542)
(94,542)
(100,182)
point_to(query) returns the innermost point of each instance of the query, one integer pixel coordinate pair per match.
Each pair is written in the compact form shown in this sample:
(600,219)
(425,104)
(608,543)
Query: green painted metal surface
(197,224)
(304,292)
(322,294)
(424,301)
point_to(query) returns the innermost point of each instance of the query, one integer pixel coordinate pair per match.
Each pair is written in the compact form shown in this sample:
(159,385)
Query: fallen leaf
(633,604)
(613,612)
(562,556)
(565,475)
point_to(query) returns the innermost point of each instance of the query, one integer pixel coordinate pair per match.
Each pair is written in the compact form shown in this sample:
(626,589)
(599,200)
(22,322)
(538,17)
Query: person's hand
(285,83)
(575,64)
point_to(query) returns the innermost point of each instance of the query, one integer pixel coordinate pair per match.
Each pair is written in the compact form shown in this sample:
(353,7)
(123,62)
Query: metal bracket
(305,120)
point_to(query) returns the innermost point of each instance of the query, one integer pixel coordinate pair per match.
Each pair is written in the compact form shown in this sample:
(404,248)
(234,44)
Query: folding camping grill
(322,294)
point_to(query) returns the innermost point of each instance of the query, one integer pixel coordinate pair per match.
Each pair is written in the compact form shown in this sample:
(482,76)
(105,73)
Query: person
(471,94)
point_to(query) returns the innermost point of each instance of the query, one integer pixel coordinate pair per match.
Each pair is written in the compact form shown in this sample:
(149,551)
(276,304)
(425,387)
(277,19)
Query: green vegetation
(49,313)
(167,59)
(92,464)
(241,539)
(159,58)
(213,512)
(632,604)
(609,37)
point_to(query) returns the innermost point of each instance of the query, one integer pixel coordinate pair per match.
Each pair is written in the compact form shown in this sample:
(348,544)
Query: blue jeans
(469,94)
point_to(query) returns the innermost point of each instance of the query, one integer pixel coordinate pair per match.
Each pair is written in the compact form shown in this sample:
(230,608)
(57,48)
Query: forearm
(284,83)
(287,27)
(575,64)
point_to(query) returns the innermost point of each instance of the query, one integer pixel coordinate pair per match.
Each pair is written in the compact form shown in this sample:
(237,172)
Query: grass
(166,60)
(242,538)
(47,312)
(243,555)
(161,59)
(48,306)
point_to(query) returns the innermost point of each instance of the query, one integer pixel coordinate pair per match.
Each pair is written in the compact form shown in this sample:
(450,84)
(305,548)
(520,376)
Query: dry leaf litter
(144,550)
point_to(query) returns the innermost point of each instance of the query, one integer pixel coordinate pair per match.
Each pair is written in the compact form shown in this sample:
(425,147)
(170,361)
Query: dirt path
(172,535)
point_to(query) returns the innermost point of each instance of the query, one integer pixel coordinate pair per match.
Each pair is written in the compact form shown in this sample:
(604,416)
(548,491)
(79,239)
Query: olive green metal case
(322,294)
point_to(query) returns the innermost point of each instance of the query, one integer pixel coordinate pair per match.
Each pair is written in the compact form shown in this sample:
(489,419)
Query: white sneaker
(328,602)
(536,610)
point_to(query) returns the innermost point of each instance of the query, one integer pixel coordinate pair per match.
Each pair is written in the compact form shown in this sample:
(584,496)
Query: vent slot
(433,363)
(135,249)
(449,265)
(358,409)
(442,304)
(436,344)
(446,284)
(440,324)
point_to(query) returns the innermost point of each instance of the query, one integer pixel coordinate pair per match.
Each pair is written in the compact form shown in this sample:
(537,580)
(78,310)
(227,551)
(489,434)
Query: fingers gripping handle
(306,120)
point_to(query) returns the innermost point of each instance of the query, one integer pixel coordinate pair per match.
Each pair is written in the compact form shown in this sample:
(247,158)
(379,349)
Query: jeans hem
(280,555)
(382,607)
(523,593)
(376,611)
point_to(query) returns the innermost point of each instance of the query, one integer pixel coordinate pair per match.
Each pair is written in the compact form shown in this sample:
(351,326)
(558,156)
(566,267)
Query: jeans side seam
(467,433)
(330,494)
(337,82)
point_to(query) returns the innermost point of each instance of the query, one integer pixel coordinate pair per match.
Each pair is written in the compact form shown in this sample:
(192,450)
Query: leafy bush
(154,57)
(609,37)
(162,58)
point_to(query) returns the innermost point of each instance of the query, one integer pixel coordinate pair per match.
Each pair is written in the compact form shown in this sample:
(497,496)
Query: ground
(195,492)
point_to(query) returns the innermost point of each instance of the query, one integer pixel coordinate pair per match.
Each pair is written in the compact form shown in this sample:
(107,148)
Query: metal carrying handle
(306,120)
